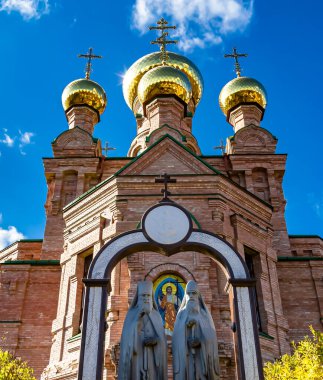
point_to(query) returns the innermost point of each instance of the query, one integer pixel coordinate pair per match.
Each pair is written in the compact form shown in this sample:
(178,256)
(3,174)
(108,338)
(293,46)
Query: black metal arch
(167,251)
(98,288)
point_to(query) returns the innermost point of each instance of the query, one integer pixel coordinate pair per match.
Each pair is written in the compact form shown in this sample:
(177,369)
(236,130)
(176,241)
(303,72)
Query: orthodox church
(92,198)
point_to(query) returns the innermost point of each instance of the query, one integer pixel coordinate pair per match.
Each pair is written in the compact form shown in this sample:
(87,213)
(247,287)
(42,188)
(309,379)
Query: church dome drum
(242,90)
(84,92)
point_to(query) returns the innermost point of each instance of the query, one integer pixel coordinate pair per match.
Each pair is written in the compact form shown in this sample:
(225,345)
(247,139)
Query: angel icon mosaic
(169,291)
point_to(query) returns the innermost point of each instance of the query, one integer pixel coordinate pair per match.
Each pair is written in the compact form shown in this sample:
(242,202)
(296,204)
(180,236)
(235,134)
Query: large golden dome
(242,90)
(164,80)
(139,68)
(84,92)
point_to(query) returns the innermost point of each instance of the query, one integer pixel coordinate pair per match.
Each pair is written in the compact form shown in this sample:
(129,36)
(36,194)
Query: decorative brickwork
(91,199)
(165,115)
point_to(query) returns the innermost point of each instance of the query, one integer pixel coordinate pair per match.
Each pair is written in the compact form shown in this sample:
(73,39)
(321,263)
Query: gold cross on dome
(162,25)
(89,56)
(236,55)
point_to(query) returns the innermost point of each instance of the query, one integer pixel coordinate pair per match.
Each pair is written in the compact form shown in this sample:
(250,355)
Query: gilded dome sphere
(84,92)
(143,65)
(164,80)
(242,90)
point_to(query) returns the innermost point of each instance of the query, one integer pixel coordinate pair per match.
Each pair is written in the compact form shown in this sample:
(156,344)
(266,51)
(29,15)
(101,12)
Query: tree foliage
(305,363)
(12,368)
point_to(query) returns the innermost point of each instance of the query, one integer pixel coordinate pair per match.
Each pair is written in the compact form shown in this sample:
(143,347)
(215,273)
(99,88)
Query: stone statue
(194,342)
(143,351)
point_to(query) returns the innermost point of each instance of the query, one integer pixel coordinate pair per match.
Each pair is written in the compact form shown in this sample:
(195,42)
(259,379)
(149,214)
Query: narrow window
(87,262)
(251,257)
(69,187)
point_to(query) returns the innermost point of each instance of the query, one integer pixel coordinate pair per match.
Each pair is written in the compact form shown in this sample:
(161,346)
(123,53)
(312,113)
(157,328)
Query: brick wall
(29,295)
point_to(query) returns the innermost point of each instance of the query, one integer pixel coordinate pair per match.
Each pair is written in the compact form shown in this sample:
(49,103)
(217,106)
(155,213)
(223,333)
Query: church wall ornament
(169,291)
(168,240)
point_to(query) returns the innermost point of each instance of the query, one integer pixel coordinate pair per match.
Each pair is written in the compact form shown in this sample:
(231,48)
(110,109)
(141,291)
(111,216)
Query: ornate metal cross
(236,55)
(165,179)
(107,148)
(221,146)
(88,67)
(161,40)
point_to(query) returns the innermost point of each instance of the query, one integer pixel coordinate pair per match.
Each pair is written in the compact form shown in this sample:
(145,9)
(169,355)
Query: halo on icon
(165,286)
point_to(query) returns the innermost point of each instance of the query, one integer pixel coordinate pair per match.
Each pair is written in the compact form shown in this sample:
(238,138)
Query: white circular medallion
(167,224)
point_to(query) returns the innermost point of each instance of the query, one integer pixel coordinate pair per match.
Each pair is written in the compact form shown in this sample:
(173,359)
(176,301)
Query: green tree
(305,363)
(12,368)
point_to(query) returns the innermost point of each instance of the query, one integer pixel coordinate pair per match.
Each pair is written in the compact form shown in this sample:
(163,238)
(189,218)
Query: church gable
(188,140)
(168,156)
(75,142)
(253,139)
(163,130)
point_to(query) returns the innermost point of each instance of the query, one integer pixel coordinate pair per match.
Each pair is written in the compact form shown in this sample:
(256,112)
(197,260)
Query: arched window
(191,148)
(137,151)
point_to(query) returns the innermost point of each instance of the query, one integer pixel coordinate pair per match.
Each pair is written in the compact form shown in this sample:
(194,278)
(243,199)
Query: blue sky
(39,46)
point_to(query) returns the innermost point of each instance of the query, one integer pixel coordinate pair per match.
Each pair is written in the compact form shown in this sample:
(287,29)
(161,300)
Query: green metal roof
(32,262)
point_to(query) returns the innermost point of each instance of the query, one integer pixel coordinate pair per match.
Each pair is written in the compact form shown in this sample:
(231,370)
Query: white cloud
(73,23)
(316,202)
(9,236)
(8,140)
(25,138)
(199,22)
(27,8)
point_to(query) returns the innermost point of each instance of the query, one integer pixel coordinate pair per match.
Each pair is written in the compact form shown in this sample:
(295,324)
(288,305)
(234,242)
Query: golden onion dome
(84,92)
(164,80)
(143,65)
(242,90)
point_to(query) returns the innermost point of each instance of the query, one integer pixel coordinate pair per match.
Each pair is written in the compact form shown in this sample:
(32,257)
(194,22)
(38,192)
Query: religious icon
(169,292)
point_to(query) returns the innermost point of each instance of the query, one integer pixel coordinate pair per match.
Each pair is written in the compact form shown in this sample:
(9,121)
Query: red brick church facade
(92,198)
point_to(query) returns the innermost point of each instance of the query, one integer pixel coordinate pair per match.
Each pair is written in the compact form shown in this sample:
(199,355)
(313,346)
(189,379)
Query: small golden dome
(143,65)
(164,80)
(242,90)
(84,92)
